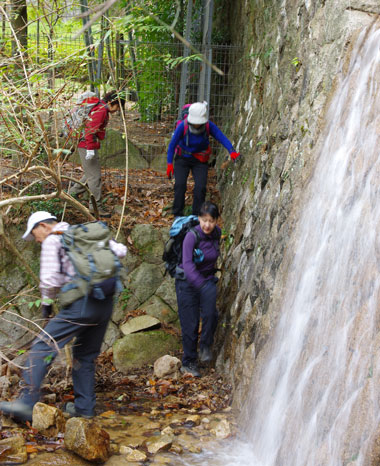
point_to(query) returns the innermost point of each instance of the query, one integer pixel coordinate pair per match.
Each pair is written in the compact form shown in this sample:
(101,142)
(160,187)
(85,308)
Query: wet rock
(139,323)
(154,445)
(205,411)
(152,425)
(132,455)
(160,459)
(50,398)
(139,349)
(222,430)
(87,439)
(195,449)
(185,441)
(13,450)
(118,460)
(168,431)
(194,420)
(176,449)
(48,420)
(57,458)
(167,366)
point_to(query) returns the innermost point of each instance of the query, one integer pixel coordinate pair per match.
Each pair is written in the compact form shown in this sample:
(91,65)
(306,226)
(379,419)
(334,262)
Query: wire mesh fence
(153,78)
(150,74)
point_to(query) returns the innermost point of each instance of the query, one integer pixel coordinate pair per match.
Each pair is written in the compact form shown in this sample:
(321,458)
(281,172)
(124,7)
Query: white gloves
(90,154)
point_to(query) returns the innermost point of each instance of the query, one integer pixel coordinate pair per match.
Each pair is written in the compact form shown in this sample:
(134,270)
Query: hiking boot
(74,191)
(72,412)
(17,409)
(192,369)
(102,213)
(205,354)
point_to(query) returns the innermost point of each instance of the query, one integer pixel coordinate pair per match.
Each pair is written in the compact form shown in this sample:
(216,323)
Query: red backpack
(201,156)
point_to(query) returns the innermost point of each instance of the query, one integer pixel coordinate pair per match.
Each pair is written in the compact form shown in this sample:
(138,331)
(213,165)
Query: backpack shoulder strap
(208,128)
(185,127)
(197,237)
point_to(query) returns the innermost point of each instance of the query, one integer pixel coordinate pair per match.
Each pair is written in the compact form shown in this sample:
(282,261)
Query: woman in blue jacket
(196,291)
(190,143)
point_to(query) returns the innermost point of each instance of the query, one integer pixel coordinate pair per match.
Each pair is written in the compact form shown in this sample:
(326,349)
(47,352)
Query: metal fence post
(205,75)
(186,52)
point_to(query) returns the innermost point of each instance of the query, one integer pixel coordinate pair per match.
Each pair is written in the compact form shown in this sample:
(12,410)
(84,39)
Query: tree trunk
(19,21)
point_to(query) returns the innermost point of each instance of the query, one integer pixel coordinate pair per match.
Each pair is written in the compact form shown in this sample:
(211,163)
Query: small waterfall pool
(315,399)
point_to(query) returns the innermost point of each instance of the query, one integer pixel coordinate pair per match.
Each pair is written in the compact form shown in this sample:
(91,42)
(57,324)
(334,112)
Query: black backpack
(172,255)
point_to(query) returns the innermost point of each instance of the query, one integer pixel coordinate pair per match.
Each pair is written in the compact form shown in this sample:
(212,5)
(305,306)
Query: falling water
(317,402)
(316,394)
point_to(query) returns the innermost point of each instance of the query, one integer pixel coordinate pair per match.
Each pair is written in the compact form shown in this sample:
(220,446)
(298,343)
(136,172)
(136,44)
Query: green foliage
(228,238)
(296,61)
(153,65)
(124,297)
(48,359)
(54,206)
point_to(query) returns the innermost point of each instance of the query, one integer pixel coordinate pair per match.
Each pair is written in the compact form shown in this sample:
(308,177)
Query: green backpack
(87,246)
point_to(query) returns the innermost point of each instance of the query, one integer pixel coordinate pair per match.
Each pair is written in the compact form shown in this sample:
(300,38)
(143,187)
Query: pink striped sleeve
(51,278)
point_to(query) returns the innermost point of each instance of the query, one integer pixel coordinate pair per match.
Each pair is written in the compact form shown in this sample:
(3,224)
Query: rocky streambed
(140,418)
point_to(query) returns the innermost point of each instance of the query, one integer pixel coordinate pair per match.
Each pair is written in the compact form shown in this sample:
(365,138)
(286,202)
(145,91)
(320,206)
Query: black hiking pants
(194,304)
(85,320)
(182,167)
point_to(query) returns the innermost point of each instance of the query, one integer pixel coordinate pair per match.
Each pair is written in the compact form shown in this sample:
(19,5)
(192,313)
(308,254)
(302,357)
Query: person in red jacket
(89,144)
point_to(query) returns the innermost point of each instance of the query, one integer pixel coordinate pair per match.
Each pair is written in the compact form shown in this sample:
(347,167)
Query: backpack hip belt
(202,156)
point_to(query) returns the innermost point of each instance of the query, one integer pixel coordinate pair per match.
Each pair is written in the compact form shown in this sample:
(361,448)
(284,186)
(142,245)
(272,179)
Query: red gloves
(170,170)
(234,155)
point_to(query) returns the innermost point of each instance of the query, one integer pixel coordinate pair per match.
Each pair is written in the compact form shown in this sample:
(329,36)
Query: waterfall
(316,391)
(317,399)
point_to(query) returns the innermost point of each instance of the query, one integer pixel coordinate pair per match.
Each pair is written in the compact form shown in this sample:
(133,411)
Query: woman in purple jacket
(196,291)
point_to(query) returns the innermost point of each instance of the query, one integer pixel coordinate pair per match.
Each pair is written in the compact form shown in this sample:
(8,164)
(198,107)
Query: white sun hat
(33,220)
(198,113)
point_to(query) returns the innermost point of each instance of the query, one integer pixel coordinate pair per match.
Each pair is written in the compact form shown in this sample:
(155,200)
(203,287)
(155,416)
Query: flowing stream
(316,396)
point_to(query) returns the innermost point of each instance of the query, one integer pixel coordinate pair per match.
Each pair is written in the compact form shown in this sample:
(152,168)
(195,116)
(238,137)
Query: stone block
(87,439)
(137,324)
(138,349)
(48,420)
(167,366)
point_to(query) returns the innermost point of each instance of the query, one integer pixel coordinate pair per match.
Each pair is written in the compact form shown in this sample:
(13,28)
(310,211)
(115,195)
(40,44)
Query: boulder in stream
(48,420)
(87,439)
(167,366)
(13,450)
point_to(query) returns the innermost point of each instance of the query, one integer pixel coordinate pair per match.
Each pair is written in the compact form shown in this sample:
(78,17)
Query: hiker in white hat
(190,148)
(85,319)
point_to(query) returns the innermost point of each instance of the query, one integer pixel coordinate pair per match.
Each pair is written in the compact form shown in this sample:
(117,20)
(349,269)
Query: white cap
(198,113)
(35,218)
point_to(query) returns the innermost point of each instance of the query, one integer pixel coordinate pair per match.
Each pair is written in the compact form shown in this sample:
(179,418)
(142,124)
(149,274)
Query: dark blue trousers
(86,319)
(194,304)
(182,167)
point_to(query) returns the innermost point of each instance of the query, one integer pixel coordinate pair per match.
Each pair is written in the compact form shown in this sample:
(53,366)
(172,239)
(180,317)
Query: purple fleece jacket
(209,244)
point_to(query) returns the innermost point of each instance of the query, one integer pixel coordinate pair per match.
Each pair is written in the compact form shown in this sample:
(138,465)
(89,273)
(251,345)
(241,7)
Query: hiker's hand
(47,311)
(234,155)
(170,170)
(90,154)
